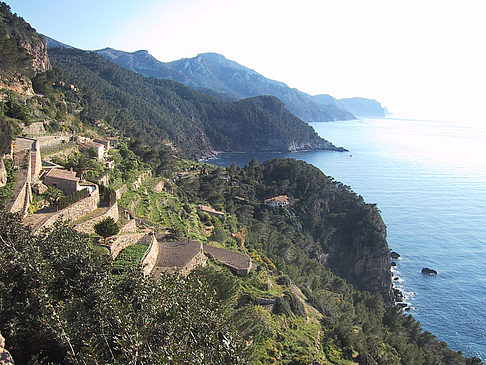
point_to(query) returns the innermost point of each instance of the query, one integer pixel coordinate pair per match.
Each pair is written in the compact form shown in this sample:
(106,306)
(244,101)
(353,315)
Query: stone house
(277,201)
(62,179)
(98,147)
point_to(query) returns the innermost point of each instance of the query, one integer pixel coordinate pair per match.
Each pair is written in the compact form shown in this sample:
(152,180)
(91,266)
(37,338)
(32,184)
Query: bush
(70,199)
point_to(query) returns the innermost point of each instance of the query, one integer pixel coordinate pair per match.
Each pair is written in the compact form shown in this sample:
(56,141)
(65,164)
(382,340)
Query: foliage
(6,136)
(70,199)
(59,304)
(81,163)
(13,31)
(6,191)
(53,194)
(106,228)
(128,258)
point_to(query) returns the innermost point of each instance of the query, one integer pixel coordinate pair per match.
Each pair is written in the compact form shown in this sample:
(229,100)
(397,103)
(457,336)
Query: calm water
(429,181)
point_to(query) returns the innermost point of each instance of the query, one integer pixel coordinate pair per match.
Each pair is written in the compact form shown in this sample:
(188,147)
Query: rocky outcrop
(428,271)
(24,53)
(363,258)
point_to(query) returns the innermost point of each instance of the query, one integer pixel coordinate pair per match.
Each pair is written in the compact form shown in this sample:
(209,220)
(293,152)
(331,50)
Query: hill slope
(211,71)
(166,111)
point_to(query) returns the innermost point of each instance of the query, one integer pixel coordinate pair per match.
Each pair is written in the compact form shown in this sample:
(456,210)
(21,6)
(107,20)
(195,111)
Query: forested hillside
(215,74)
(161,111)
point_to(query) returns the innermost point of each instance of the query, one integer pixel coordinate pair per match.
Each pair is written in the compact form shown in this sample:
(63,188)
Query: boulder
(396,278)
(394,255)
(428,271)
(393,263)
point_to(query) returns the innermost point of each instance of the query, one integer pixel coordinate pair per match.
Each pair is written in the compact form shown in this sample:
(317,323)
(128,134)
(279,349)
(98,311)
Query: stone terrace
(239,263)
(181,256)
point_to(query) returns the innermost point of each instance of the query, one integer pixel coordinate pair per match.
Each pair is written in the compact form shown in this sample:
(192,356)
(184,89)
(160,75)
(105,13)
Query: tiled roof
(62,174)
(280,198)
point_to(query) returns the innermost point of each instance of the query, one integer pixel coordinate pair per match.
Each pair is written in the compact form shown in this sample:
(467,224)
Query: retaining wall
(3,173)
(130,227)
(123,241)
(74,211)
(150,259)
(88,226)
(22,194)
(120,191)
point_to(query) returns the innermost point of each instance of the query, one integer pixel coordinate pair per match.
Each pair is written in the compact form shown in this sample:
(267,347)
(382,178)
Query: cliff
(24,52)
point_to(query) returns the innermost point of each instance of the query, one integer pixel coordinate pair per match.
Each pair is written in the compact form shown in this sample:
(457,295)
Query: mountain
(52,43)
(164,111)
(212,71)
(360,107)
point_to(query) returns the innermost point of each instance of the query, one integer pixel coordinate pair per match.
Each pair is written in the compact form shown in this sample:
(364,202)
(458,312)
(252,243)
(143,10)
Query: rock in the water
(401,305)
(396,278)
(394,255)
(393,263)
(428,271)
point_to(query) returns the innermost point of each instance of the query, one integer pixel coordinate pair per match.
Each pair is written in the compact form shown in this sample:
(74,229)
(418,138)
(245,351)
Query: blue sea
(429,181)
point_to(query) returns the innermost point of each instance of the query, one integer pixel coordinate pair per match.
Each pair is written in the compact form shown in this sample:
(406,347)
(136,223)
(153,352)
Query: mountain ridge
(215,72)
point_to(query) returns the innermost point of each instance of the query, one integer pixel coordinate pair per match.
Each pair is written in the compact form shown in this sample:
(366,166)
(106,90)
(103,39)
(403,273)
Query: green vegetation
(6,191)
(70,199)
(63,301)
(59,304)
(14,58)
(106,228)
(130,257)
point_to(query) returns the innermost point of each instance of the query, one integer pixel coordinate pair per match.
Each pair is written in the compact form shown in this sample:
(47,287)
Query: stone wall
(34,129)
(3,173)
(75,211)
(150,258)
(123,241)
(22,194)
(120,191)
(36,160)
(199,260)
(88,226)
(130,227)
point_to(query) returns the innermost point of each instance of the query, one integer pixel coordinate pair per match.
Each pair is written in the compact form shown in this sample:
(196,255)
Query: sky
(423,59)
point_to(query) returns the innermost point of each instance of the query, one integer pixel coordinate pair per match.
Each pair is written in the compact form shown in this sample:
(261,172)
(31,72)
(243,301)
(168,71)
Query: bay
(429,181)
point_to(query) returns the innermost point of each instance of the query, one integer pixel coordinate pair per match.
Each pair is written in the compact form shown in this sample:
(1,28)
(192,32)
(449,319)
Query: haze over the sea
(421,59)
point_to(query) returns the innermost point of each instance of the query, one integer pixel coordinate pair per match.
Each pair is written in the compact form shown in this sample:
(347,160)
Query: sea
(428,179)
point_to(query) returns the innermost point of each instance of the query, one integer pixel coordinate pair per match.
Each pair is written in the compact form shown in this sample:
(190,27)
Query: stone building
(62,179)
(98,147)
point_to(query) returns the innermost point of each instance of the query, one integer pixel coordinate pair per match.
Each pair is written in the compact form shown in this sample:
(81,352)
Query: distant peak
(142,52)
(211,55)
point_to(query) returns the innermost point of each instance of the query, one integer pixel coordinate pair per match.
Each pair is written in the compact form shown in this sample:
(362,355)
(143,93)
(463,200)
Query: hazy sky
(422,58)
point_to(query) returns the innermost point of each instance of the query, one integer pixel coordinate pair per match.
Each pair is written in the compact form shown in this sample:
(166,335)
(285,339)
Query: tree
(59,305)
(53,194)
(106,228)
(81,163)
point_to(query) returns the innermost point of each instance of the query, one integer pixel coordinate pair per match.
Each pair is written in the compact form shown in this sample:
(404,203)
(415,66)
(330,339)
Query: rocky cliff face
(361,255)
(24,52)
